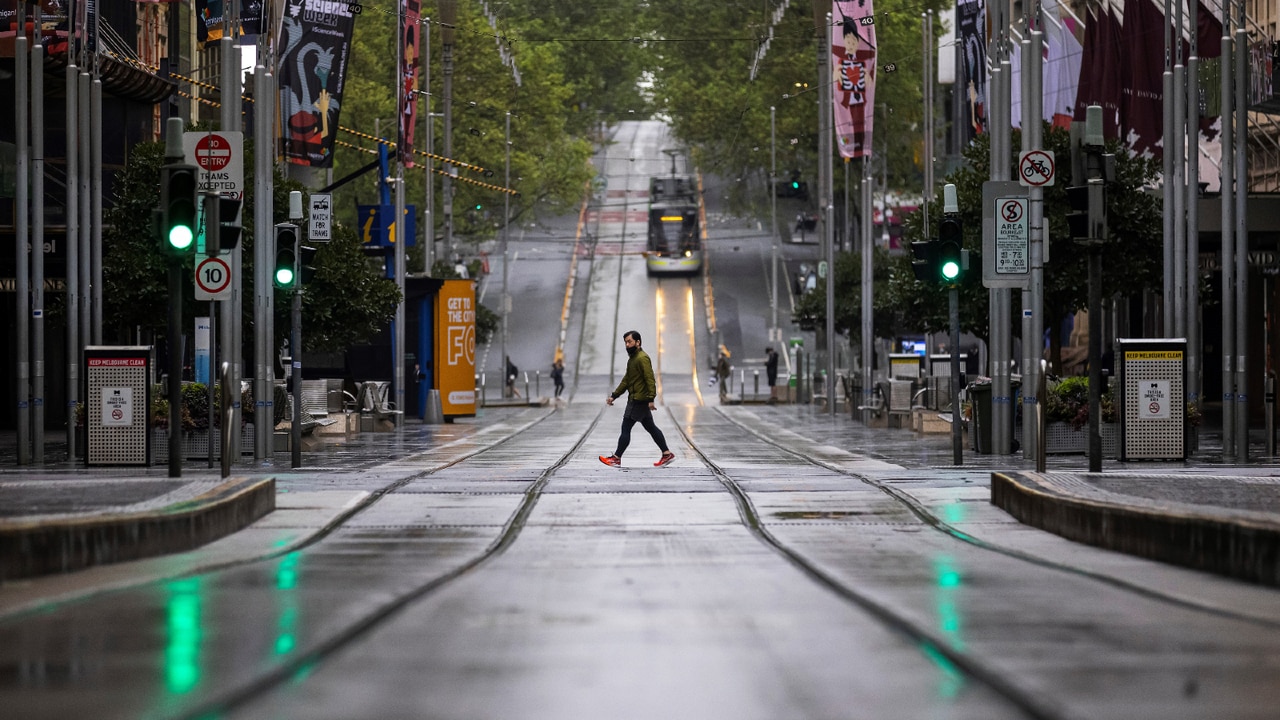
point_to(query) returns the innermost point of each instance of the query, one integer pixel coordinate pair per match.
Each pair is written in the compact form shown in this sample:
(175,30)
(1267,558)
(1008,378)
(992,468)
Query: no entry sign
(220,157)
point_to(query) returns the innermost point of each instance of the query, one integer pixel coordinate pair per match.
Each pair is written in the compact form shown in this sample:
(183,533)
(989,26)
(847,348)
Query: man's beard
(633,349)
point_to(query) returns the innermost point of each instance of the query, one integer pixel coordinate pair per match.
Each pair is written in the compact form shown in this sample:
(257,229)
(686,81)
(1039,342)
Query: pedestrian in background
(557,376)
(642,389)
(722,373)
(771,373)
(512,372)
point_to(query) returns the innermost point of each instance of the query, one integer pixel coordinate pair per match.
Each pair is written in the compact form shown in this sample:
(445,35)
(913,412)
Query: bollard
(537,383)
(1269,402)
(526,384)
(756,391)
(433,415)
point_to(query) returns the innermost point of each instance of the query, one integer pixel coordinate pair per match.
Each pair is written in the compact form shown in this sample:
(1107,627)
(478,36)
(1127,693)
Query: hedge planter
(195,444)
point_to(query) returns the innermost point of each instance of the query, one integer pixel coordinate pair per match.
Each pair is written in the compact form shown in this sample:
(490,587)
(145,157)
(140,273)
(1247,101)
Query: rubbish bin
(980,402)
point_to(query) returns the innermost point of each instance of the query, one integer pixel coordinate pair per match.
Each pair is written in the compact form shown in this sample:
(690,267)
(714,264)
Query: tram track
(306,662)
(930,643)
(922,513)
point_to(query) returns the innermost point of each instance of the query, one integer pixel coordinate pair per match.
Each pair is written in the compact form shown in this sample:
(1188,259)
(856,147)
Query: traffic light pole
(174,387)
(295,350)
(957,440)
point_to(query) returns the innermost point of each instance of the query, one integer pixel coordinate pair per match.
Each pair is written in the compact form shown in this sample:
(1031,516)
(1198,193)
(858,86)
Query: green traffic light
(284,276)
(795,185)
(180,237)
(950,270)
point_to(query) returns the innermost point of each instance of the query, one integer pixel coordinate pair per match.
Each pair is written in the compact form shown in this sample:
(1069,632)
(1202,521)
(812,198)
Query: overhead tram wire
(459,163)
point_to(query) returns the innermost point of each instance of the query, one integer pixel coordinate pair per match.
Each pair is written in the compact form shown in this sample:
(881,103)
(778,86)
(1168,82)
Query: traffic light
(228,222)
(922,263)
(307,266)
(286,268)
(178,208)
(949,257)
(1078,218)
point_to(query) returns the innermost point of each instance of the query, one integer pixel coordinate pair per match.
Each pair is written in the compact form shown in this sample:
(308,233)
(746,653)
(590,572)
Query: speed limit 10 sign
(213,279)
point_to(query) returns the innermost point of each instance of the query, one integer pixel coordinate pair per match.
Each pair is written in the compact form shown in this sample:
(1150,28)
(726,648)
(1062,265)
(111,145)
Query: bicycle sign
(1036,168)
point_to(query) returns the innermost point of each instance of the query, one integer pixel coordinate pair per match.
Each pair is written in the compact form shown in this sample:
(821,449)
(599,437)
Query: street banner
(853,65)
(410,31)
(971,19)
(1061,66)
(1101,59)
(313,48)
(250,17)
(455,347)
(209,20)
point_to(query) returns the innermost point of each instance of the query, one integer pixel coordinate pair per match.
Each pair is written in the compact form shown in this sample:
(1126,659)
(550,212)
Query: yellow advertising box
(455,347)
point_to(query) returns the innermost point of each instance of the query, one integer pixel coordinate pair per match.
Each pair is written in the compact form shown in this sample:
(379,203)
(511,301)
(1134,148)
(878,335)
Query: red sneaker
(612,460)
(666,459)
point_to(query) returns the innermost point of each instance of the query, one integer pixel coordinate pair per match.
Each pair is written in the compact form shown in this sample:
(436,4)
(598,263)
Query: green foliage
(549,164)
(810,312)
(1136,237)
(347,304)
(703,83)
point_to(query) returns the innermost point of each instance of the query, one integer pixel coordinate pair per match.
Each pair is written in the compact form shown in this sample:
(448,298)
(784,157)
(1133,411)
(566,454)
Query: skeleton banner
(853,63)
(313,48)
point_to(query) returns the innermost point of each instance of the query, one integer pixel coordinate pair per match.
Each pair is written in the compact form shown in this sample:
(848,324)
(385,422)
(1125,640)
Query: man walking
(642,389)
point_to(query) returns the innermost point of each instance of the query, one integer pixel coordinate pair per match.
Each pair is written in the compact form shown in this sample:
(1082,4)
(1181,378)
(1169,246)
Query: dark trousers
(638,412)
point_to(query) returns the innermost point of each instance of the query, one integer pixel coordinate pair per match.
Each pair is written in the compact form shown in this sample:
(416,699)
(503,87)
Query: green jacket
(638,379)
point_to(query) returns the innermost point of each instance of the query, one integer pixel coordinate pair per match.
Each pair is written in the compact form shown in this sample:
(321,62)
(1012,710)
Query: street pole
(428,215)
(1242,239)
(828,234)
(1096,174)
(1167,189)
(173,153)
(1194,348)
(774,335)
(72,242)
(37,241)
(22,295)
(295,334)
(401,226)
(263,306)
(868,359)
(1227,180)
(449,16)
(506,234)
(225,344)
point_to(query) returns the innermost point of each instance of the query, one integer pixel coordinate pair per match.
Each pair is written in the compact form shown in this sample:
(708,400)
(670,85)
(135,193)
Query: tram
(675,234)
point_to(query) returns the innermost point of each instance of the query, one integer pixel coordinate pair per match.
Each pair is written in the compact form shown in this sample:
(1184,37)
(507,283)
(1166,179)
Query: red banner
(410,30)
(853,65)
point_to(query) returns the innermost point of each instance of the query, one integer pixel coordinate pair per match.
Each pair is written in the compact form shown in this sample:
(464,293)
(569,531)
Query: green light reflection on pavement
(182,651)
(947,584)
(286,583)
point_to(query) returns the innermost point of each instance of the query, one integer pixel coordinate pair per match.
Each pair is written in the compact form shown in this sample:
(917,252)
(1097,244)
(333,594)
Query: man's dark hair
(633,335)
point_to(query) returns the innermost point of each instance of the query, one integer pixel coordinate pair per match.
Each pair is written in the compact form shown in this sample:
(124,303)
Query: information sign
(321,209)
(1006,238)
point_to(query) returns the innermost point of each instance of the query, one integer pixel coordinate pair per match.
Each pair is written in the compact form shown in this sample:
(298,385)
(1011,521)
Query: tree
(1132,261)
(347,304)
(548,163)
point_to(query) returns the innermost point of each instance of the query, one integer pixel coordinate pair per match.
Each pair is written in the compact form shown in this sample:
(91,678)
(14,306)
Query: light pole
(506,224)
(774,334)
